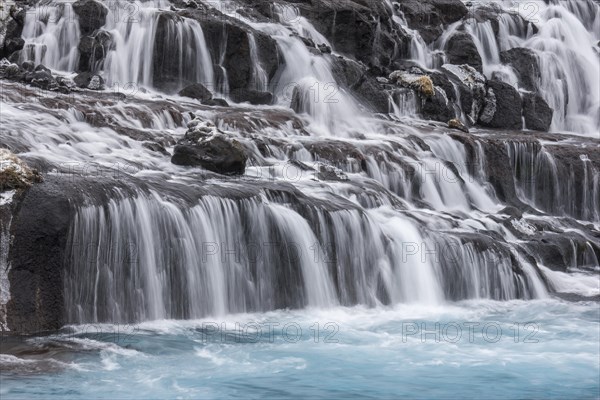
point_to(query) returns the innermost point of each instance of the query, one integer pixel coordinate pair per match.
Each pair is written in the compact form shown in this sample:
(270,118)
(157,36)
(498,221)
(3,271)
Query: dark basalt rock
(537,113)
(14,28)
(196,91)
(88,80)
(216,102)
(92,15)
(525,62)
(437,107)
(428,16)
(251,96)
(216,153)
(361,29)
(222,32)
(508,109)
(93,49)
(461,49)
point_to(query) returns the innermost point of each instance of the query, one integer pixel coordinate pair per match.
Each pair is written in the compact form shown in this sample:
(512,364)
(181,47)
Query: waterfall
(51,35)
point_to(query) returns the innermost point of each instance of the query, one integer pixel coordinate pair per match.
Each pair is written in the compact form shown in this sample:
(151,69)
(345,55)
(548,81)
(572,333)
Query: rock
(428,16)
(10,70)
(93,49)
(156,147)
(217,153)
(489,107)
(216,102)
(361,29)
(324,48)
(471,86)
(457,124)
(196,91)
(13,31)
(251,96)
(437,107)
(460,49)
(525,62)
(28,66)
(87,80)
(422,84)
(537,113)
(14,173)
(92,15)
(508,106)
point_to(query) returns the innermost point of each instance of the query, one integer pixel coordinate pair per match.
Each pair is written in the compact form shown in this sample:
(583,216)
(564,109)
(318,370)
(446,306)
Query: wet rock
(471,87)
(525,62)
(508,109)
(457,124)
(216,102)
(217,153)
(10,70)
(324,48)
(429,16)
(28,66)
(93,49)
(251,96)
(537,113)
(88,80)
(422,84)
(196,91)
(460,49)
(92,15)
(361,29)
(437,107)
(156,147)
(12,35)
(14,173)
(205,146)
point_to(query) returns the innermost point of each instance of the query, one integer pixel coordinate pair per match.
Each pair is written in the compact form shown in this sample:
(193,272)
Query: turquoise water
(336,353)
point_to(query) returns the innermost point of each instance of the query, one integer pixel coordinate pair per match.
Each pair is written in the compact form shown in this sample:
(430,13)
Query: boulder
(205,146)
(14,173)
(196,91)
(508,109)
(251,96)
(91,14)
(460,49)
(537,113)
(88,80)
(455,123)
(422,84)
(526,64)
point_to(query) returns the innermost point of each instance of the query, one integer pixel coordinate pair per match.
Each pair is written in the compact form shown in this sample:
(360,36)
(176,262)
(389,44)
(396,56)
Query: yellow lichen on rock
(14,173)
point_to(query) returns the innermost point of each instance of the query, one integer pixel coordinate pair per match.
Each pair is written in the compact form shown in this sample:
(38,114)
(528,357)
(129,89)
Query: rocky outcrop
(429,16)
(526,64)
(12,35)
(251,96)
(205,146)
(196,91)
(91,15)
(460,49)
(507,110)
(537,113)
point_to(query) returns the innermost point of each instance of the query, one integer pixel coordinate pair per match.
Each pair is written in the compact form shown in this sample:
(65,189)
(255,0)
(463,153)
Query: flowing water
(355,259)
